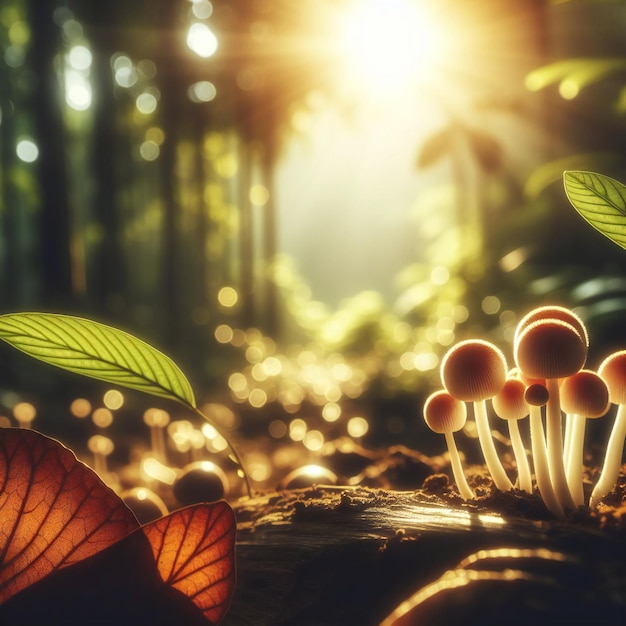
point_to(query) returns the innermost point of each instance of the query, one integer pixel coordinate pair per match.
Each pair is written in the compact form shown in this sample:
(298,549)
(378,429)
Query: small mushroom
(200,481)
(445,415)
(157,420)
(24,413)
(474,371)
(510,405)
(536,396)
(583,395)
(145,504)
(613,372)
(552,349)
(101,447)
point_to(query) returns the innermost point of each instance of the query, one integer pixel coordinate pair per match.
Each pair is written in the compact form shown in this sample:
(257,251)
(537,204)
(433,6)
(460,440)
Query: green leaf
(601,201)
(93,349)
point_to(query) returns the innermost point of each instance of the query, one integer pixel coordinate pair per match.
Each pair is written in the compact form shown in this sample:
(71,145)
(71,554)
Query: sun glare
(389,44)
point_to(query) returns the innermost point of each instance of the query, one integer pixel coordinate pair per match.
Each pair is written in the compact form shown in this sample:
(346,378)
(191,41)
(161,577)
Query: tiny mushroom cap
(473,370)
(550,348)
(509,403)
(444,413)
(613,371)
(536,394)
(553,312)
(585,393)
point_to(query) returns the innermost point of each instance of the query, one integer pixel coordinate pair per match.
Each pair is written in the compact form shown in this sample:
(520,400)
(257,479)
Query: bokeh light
(202,91)
(80,407)
(102,417)
(113,399)
(201,40)
(27,150)
(227,297)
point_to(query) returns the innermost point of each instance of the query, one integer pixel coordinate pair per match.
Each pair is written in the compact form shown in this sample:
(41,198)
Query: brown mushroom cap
(550,348)
(473,370)
(444,413)
(585,393)
(613,372)
(536,395)
(553,312)
(509,402)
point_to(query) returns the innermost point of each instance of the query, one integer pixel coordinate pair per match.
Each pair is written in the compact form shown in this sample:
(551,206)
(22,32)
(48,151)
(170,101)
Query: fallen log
(326,556)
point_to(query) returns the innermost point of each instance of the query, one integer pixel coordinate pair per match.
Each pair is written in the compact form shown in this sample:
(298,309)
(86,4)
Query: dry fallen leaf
(71,552)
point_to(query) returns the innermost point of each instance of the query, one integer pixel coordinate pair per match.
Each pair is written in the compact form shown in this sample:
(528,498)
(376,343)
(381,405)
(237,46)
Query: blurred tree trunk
(269,235)
(246,239)
(171,103)
(108,273)
(11,267)
(54,228)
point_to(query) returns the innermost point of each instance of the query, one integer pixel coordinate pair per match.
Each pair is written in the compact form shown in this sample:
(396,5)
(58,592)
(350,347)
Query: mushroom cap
(509,402)
(473,370)
(444,413)
(585,393)
(613,372)
(536,394)
(553,312)
(550,348)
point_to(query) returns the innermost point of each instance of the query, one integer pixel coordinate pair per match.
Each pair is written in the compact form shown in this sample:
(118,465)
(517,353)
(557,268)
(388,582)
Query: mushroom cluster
(550,385)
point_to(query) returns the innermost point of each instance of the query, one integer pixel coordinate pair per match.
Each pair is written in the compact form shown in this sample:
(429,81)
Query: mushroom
(554,312)
(552,349)
(445,415)
(509,404)
(157,420)
(24,413)
(101,447)
(565,315)
(613,371)
(473,371)
(536,395)
(583,395)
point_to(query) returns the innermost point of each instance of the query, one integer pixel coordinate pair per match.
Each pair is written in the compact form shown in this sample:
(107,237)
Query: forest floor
(349,555)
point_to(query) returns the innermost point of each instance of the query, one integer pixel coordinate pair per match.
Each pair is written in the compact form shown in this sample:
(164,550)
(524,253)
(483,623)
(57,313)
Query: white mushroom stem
(523,468)
(554,440)
(492,460)
(444,414)
(584,395)
(540,460)
(567,438)
(457,468)
(612,459)
(574,458)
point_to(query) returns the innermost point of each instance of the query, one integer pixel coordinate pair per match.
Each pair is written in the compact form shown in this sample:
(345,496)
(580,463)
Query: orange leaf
(194,549)
(119,586)
(54,510)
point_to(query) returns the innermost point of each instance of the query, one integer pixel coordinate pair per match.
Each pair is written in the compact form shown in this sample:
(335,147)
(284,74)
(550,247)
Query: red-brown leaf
(54,510)
(194,549)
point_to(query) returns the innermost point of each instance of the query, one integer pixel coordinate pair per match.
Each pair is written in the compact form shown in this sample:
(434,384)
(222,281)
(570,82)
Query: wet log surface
(325,556)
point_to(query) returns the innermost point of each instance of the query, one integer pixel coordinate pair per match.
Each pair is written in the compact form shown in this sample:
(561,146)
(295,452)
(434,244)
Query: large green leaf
(601,201)
(98,351)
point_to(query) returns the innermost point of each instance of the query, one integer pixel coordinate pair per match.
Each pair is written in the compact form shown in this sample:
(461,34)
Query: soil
(350,554)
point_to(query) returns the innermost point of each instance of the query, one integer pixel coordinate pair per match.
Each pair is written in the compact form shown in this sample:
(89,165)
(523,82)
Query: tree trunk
(54,234)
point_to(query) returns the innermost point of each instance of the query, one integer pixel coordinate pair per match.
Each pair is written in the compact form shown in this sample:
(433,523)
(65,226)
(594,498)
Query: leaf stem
(233,450)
